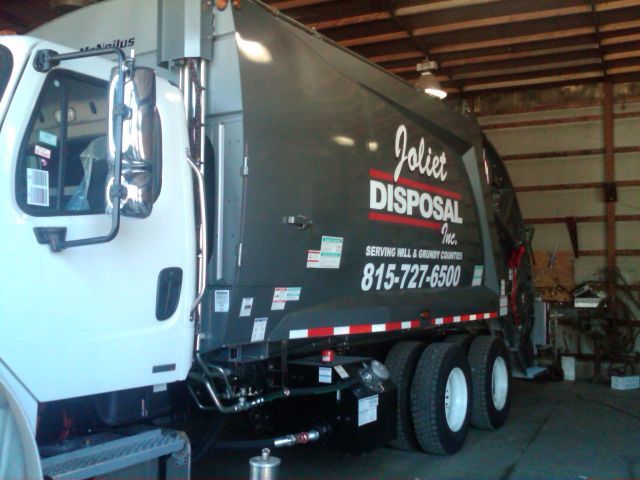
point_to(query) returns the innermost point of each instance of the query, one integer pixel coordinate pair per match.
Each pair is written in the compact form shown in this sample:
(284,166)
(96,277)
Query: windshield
(6,64)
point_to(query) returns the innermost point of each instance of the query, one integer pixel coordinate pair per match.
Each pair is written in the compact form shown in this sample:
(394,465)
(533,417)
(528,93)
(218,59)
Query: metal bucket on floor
(264,467)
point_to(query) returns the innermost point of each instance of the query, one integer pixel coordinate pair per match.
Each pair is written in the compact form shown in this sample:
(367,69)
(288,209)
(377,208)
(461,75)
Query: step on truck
(210,212)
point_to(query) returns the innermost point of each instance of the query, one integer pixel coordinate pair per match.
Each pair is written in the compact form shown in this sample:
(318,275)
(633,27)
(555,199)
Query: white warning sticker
(324,374)
(37,187)
(341,371)
(504,305)
(329,254)
(245,308)
(503,287)
(367,410)
(221,301)
(48,138)
(313,258)
(478,270)
(259,329)
(42,152)
(282,295)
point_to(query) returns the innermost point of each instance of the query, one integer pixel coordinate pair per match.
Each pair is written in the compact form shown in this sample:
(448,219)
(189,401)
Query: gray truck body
(306,138)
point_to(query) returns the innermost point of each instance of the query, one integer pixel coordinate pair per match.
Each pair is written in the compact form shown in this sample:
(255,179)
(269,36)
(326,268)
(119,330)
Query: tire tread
(424,390)
(401,361)
(481,369)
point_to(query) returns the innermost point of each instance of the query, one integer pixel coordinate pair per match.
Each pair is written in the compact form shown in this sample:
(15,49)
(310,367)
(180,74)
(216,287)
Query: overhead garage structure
(485,45)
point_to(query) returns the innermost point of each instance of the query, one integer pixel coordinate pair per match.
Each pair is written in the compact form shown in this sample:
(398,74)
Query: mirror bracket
(117,192)
(55,237)
(122,110)
(43,60)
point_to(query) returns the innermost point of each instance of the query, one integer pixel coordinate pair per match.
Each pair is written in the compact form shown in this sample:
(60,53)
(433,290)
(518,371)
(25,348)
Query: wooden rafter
(567,153)
(484,59)
(290,4)
(579,219)
(479,45)
(514,40)
(574,186)
(502,20)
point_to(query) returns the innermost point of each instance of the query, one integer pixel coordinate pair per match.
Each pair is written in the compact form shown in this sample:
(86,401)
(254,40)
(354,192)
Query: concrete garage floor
(556,430)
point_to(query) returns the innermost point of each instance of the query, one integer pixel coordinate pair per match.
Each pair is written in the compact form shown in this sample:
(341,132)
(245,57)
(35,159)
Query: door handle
(299,221)
(168,293)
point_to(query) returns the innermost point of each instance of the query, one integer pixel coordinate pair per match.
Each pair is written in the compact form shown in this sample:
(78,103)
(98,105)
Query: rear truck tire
(441,398)
(401,362)
(462,339)
(491,380)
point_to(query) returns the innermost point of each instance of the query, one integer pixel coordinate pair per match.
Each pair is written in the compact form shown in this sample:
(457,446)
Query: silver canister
(264,467)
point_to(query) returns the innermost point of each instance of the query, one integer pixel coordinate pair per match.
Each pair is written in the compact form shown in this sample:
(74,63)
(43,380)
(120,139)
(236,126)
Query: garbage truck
(211,212)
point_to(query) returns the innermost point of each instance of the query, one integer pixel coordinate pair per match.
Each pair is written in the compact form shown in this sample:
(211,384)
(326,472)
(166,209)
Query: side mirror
(140,175)
(45,60)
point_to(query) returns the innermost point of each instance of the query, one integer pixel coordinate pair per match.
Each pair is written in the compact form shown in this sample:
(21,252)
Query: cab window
(62,166)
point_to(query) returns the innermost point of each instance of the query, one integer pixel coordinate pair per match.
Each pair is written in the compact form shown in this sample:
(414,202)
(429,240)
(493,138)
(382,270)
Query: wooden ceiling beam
(622,70)
(424,7)
(574,186)
(620,39)
(290,4)
(502,20)
(608,57)
(375,38)
(611,27)
(392,57)
(519,39)
(539,67)
(615,5)
(499,57)
(536,81)
(349,20)
(584,218)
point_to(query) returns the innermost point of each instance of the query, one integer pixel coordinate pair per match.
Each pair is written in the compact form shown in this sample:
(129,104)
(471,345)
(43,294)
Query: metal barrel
(264,467)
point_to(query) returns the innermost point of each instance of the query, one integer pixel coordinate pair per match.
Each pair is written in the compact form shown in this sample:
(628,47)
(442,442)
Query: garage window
(63,167)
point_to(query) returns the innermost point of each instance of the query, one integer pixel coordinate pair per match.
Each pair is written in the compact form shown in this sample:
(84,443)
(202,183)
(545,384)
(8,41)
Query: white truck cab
(95,305)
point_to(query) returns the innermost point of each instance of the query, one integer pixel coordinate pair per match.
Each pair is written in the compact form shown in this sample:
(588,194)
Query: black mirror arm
(55,237)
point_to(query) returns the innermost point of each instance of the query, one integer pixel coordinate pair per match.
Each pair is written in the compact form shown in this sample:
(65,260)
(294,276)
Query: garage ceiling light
(428,81)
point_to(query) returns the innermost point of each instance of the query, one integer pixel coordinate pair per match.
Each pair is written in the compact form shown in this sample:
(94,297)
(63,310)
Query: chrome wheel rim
(456,398)
(499,383)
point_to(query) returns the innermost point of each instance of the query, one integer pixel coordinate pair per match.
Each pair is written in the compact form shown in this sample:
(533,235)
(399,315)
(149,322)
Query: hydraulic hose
(210,442)
(243,405)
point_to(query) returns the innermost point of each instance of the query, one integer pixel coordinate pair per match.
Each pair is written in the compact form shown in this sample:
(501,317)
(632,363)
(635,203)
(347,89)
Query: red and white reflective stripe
(463,318)
(353,329)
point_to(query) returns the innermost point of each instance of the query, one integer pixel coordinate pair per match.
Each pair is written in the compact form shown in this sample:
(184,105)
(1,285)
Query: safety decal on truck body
(329,254)
(282,295)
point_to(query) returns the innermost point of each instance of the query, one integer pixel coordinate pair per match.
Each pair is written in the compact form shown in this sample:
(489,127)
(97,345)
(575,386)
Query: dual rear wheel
(442,390)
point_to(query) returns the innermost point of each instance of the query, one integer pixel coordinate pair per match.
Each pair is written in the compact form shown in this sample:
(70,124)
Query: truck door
(103,317)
